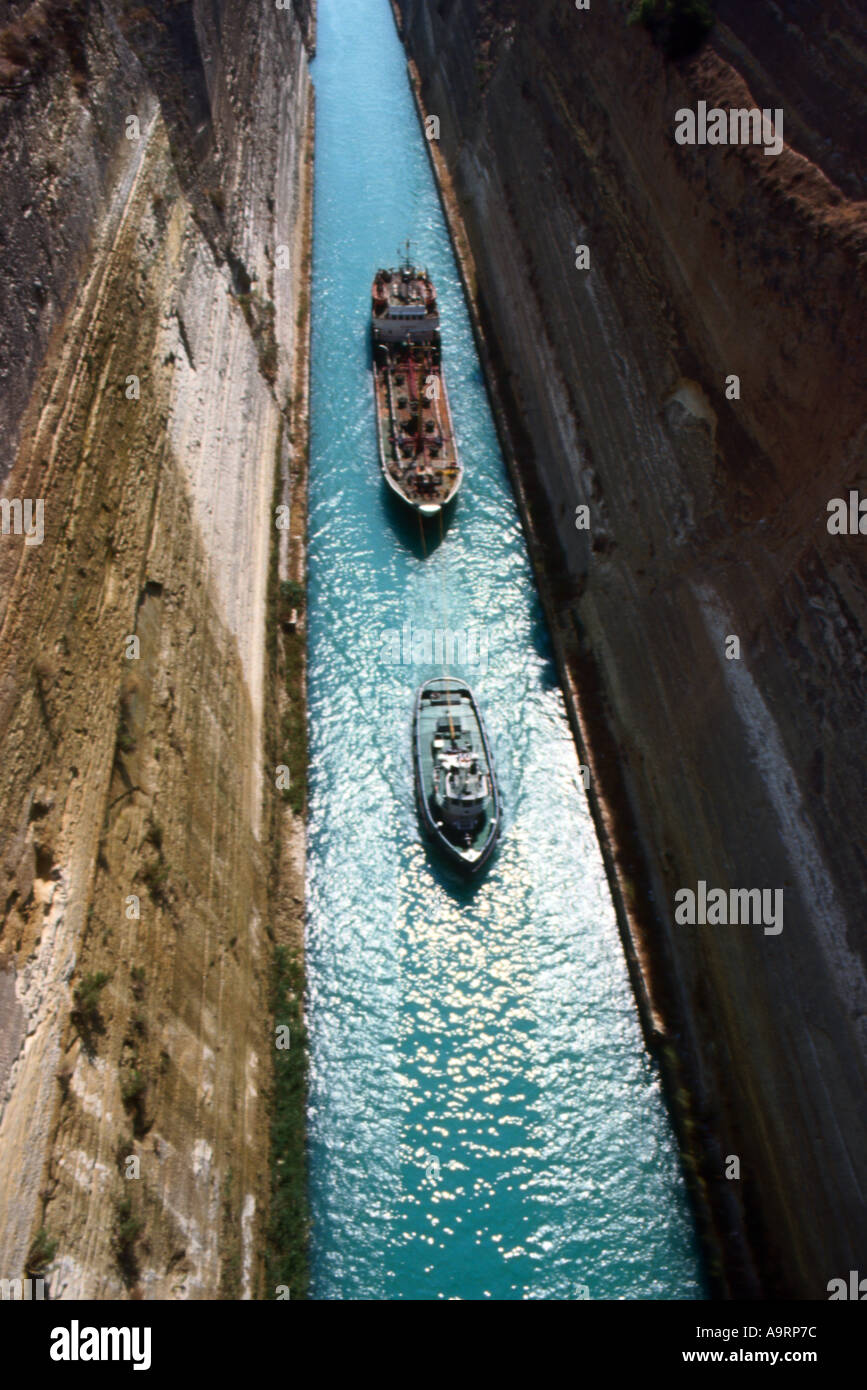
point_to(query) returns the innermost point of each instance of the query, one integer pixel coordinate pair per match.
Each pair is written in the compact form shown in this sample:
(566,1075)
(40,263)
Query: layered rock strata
(156,176)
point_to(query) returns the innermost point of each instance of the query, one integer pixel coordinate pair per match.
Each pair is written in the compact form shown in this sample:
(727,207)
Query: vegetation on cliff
(85,1016)
(30,41)
(42,1251)
(680,27)
(287,1233)
(286,1260)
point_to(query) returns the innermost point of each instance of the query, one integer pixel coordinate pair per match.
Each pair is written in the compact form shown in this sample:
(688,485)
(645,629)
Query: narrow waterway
(484,1118)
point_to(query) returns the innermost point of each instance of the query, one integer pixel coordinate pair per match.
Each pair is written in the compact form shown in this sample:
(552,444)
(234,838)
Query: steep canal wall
(156,175)
(740,765)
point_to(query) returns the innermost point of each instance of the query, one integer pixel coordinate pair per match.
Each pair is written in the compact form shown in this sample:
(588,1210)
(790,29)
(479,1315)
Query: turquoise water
(484,1119)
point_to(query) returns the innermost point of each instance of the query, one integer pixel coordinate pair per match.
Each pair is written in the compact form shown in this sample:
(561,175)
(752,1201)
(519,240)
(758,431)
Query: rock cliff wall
(155,167)
(707,519)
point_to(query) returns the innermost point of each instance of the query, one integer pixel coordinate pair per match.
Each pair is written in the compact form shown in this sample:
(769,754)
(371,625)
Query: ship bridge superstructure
(404,306)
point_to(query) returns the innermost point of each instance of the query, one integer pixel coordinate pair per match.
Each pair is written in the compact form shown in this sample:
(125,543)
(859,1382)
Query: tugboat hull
(445,708)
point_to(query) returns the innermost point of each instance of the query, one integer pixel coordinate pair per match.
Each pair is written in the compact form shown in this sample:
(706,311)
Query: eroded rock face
(155,180)
(708,519)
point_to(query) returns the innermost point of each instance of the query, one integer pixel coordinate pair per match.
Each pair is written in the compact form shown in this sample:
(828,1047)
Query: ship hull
(401,468)
(418,451)
(468,852)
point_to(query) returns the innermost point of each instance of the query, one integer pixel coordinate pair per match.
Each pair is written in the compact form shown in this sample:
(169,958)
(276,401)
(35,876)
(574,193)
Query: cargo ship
(455,783)
(418,452)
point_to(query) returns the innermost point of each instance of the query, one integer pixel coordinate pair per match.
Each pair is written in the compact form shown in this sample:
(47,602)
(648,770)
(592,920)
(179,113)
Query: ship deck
(417,443)
(449,703)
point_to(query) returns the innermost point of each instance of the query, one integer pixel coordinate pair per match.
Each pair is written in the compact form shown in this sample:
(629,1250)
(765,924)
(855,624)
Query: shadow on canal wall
(612,375)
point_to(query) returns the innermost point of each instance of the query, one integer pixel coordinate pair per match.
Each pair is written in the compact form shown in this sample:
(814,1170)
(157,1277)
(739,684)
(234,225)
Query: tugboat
(456,788)
(417,448)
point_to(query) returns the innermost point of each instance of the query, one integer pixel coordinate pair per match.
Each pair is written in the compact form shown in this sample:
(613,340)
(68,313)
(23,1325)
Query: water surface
(485,1121)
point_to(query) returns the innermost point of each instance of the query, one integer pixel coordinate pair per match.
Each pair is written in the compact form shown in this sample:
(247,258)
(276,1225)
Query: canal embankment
(618,831)
(288,1232)
(156,188)
(601,254)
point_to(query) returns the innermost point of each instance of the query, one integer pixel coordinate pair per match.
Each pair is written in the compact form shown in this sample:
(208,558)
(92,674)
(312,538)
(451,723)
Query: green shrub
(156,875)
(133,1089)
(132,1086)
(643,12)
(292,594)
(680,27)
(127,1229)
(125,740)
(154,834)
(40,1254)
(87,993)
(85,1015)
(293,728)
(286,1250)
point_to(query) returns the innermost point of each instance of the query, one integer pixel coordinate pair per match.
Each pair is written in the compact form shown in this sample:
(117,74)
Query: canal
(485,1121)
